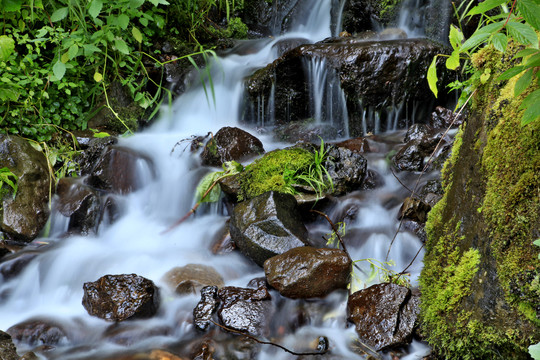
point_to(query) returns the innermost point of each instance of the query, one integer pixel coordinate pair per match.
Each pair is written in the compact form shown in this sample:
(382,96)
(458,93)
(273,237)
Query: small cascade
(327,100)
(425,18)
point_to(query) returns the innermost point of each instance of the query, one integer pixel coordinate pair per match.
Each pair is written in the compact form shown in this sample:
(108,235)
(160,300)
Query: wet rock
(414,155)
(267,225)
(96,147)
(128,334)
(190,279)
(359,15)
(230,143)
(202,314)
(121,297)
(204,352)
(265,18)
(359,145)
(7,349)
(284,45)
(442,118)
(80,203)
(347,169)
(373,180)
(15,264)
(307,272)
(38,332)
(414,209)
(432,192)
(304,131)
(415,227)
(418,132)
(23,217)
(116,170)
(384,315)
(246,310)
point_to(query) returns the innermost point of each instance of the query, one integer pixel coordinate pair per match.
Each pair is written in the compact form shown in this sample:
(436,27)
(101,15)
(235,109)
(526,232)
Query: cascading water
(50,286)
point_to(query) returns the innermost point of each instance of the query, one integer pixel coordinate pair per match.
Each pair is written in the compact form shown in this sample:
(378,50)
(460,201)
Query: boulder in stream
(121,297)
(7,349)
(206,307)
(80,203)
(192,278)
(267,225)
(347,168)
(22,217)
(307,272)
(384,315)
(230,143)
(38,332)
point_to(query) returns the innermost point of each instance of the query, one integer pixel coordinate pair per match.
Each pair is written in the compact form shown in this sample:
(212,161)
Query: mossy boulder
(480,283)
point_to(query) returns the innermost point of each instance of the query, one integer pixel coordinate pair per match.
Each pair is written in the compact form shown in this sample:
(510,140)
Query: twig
(412,261)
(334,229)
(399,180)
(428,163)
(269,342)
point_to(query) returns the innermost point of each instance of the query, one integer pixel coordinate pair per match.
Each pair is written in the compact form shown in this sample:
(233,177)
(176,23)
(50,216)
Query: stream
(51,285)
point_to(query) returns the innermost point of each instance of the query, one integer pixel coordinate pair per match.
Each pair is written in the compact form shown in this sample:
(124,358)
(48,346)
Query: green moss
(236,29)
(274,172)
(446,173)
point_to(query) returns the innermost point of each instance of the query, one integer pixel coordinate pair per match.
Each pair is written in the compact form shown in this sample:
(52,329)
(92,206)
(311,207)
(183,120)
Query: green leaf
(481,35)
(500,41)
(59,69)
(537,243)
(452,62)
(137,35)
(90,49)
(485,6)
(73,51)
(523,33)
(95,8)
(59,14)
(9,94)
(531,114)
(455,37)
(206,182)
(101,134)
(530,10)
(530,100)
(157,2)
(65,57)
(534,350)
(523,82)
(123,21)
(98,76)
(432,76)
(121,46)
(533,61)
(510,73)
(526,52)
(7,45)
(11,5)
(135,4)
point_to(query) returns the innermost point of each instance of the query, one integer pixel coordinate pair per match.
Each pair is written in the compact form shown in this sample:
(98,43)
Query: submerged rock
(384,315)
(230,143)
(22,217)
(307,272)
(246,310)
(442,118)
(207,306)
(80,203)
(192,278)
(267,225)
(121,297)
(38,332)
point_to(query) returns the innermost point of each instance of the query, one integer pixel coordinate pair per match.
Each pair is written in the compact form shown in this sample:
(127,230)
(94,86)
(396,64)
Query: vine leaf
(432,76)
(530,10)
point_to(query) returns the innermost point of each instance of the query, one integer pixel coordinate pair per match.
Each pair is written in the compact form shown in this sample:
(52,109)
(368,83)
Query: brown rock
(192,278)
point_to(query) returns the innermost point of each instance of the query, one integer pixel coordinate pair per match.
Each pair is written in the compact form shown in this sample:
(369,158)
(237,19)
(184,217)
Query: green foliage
(537,243)
(534,350)
(10,179)
(207,191)
(518,25)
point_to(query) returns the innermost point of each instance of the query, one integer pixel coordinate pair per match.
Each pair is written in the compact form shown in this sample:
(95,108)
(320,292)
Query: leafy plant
(10,179)
(534,350)
(207,191)
(518,24)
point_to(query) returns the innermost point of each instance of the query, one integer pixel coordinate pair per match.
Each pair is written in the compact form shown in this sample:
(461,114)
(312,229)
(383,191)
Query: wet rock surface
(80,203)
(121,297)
(384,315)
(266,226)
(15,264)
(116,170)
(38,332)
(190,279)
(307,272)
(421,143)
(347,168)
(230,143)
(202,314)
(246,310)
(7,349)
(442,118)
(23,217)
(414,209)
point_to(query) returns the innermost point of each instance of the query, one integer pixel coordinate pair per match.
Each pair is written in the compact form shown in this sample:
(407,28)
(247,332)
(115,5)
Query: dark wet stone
(307,272)
(96,147)
(284,45)
(347,169)
(265,18)
(418,132)
(432,192)
(38,332)
(359,145)
(373,180)
(121,297)
(230,143)
(80,203)
(204,352)
(128,334)
(267,225)
(414,155)
(304,131)
(359,15)
(384,315)
(190,279)
(23,217)
(116,170)
(442,118)
(246,310)
(414,209)
(202,313)
(7,349)
(416,227)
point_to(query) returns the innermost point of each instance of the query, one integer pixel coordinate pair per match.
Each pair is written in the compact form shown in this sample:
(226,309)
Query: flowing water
(50,287)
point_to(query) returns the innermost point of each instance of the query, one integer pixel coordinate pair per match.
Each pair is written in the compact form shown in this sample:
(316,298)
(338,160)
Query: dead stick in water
(269,342)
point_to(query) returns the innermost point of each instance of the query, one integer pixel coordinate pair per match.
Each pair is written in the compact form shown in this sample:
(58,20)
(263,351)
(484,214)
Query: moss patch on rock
(480,283)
